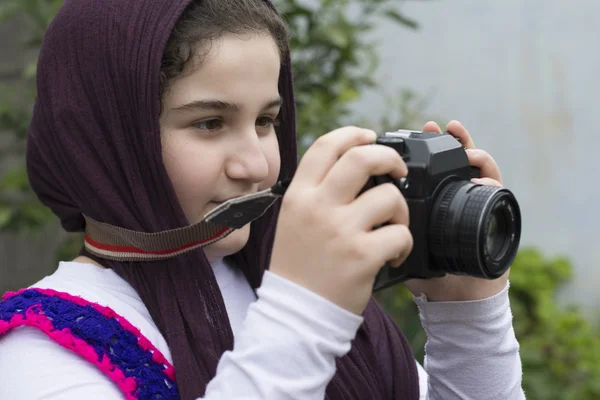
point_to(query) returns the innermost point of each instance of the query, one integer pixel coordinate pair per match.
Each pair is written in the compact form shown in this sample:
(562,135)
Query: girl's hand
(325,239)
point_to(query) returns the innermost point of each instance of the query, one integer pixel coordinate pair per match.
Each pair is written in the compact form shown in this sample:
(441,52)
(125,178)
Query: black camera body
(458,227)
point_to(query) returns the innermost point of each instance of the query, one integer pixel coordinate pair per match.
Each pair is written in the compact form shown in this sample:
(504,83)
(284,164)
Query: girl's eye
(209,125)
(266,122)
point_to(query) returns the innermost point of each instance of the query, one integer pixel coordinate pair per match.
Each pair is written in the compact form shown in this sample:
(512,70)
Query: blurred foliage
(334,63)
(20,211)
(560,349)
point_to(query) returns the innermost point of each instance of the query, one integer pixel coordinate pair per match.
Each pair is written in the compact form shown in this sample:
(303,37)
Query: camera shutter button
(396,143)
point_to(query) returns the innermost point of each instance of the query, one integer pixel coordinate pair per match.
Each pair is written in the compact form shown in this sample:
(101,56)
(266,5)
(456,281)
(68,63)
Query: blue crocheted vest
(96,333)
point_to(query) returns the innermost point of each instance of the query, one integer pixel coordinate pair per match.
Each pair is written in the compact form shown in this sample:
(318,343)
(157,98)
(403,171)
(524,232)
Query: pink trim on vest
(144,343)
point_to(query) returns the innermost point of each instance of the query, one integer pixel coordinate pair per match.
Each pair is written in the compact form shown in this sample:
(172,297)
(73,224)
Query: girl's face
(218,131)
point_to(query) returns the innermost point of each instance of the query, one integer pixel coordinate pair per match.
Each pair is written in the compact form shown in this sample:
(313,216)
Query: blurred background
(522,76)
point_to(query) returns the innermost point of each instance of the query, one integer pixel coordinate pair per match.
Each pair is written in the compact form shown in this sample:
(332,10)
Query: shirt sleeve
(287,346)
(471,351)
(285,350)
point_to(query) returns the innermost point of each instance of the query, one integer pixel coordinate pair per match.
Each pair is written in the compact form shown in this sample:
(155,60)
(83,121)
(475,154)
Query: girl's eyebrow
(212,105)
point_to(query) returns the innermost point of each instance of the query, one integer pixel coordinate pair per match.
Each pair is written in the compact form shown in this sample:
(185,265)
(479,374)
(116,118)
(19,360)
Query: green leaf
(30,70)
(15,179)
(348,94)
(9,9)
(5,216)
(337,36)
(401,19)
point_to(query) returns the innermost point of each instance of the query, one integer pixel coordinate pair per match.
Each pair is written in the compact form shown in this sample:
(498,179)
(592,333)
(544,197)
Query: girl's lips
(229,198)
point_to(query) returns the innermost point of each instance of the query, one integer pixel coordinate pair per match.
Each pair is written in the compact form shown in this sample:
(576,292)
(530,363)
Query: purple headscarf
(94,148)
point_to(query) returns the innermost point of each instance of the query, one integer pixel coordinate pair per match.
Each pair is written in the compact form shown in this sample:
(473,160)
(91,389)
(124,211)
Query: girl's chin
(229,245)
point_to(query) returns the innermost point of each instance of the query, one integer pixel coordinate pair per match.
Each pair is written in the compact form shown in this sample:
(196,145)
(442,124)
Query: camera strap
(120,244)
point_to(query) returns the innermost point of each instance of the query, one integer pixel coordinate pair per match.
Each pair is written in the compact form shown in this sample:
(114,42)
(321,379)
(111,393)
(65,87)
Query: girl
(151,114)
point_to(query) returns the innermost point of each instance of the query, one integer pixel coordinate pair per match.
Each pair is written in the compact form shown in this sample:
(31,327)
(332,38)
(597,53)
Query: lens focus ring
(462,239)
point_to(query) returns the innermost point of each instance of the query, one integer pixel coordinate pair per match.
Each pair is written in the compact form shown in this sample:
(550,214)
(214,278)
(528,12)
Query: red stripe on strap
(129,249)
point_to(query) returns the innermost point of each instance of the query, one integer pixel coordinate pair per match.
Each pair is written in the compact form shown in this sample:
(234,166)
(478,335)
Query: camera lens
(497,233)
(474,230)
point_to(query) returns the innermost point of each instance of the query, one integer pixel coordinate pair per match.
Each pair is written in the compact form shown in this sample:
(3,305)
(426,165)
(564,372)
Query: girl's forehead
(233,70)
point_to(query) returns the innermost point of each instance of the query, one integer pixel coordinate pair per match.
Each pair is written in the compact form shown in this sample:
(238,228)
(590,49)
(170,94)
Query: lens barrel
(474,229)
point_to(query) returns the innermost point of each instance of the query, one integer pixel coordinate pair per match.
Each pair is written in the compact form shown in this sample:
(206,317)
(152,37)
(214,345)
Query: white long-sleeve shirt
(286,343)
